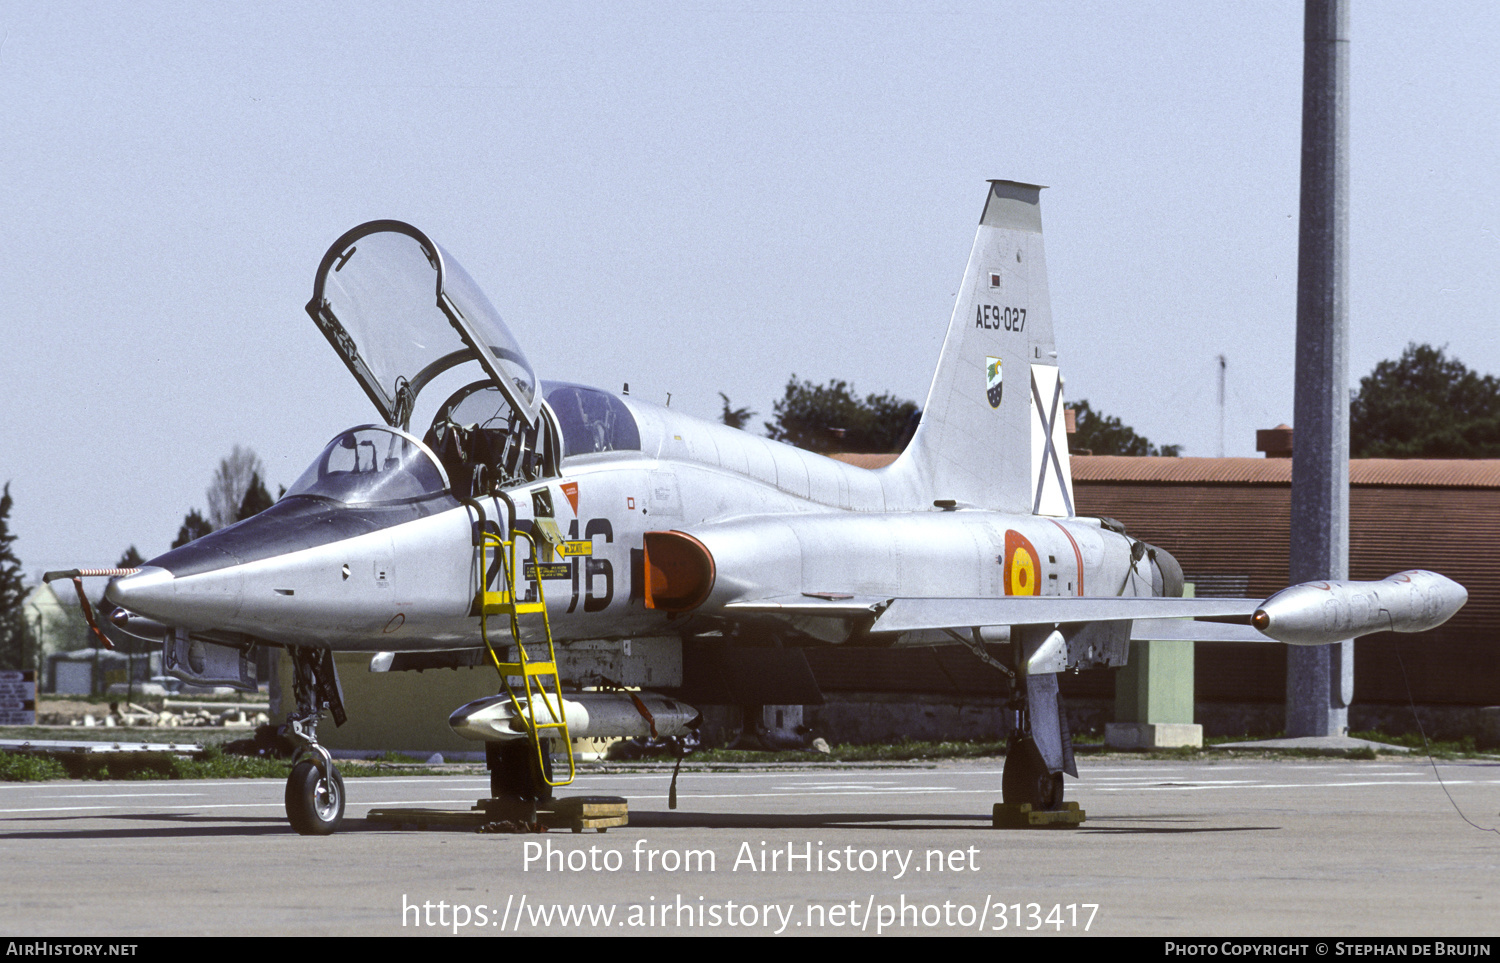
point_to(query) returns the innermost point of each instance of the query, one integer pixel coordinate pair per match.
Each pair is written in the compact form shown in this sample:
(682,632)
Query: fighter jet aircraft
(607,556)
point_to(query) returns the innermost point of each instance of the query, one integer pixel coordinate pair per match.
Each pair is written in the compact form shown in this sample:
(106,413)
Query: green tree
(194,526)
(256,499)
(15,633)
(130,559)
(735,417)
(831,418)
(226,495)
(1101,434)
(1425,405)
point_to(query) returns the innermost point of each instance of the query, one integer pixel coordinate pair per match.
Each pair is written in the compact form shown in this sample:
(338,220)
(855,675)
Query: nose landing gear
(315,789)
(315,798)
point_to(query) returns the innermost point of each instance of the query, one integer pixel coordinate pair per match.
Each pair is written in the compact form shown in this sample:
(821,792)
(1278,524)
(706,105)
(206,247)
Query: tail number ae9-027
(993,318)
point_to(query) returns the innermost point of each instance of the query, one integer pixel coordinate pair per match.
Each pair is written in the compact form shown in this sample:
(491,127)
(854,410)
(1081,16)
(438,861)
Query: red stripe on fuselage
(1076,553)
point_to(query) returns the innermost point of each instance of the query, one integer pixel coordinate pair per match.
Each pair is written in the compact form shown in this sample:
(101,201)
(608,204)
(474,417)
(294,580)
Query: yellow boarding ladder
(534,675)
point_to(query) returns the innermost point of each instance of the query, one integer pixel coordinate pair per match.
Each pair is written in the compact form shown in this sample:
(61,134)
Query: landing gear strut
(1039,749)
(315,790)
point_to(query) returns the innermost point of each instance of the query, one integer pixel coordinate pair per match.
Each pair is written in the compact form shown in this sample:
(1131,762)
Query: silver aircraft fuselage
(779,521)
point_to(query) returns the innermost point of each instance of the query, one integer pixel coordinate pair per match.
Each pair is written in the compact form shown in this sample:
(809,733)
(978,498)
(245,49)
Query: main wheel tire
(314,804)
(1027,780)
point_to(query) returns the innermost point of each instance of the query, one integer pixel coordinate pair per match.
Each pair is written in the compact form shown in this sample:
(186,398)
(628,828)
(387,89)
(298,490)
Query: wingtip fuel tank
(1320,613)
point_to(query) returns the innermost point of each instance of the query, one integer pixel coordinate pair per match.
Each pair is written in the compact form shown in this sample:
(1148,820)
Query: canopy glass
(400,310)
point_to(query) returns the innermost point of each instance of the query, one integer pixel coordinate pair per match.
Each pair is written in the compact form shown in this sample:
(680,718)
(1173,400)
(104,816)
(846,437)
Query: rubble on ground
(169,716)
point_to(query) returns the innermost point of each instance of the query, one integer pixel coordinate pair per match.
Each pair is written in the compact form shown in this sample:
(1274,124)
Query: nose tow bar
(77,575)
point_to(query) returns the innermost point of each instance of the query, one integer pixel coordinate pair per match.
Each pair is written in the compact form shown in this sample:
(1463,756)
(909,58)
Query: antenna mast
(1223,363)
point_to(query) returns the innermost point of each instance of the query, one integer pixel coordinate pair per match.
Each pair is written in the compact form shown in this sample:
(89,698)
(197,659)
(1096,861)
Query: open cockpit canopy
(400,311)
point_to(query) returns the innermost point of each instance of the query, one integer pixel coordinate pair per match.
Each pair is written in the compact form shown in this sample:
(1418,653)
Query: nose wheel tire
(314,803)
(1026,779)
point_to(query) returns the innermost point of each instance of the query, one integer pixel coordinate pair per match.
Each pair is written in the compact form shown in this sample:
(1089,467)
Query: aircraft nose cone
(207,600)
(147,592)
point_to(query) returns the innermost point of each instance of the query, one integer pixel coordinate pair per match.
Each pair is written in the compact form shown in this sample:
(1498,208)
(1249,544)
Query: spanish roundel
(1021,566)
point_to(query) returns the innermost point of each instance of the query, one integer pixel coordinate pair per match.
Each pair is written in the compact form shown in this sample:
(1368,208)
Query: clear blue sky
(693,198)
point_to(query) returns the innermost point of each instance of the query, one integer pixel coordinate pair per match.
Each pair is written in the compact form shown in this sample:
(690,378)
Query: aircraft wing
(914,615)
(1154,618)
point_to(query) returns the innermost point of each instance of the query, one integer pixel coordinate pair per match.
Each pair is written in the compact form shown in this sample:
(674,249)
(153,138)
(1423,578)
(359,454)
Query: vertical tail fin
(992,433)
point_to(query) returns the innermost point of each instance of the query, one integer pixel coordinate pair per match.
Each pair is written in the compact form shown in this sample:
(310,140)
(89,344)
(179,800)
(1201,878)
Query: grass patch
(1439,748)
(184,735)
(212,763)
(21,767)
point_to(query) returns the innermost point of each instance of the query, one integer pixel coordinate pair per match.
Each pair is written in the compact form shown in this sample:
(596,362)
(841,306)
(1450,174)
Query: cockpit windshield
(372,465)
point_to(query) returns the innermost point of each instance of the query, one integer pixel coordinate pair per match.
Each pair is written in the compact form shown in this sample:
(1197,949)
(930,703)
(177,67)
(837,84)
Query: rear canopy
(400,310)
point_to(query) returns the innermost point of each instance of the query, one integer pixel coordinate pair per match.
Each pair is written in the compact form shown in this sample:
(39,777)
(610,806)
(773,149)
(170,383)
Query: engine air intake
(679,571)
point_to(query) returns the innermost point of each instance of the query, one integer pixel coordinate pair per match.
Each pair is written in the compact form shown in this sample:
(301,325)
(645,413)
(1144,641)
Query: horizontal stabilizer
(1313,613)
(913,615)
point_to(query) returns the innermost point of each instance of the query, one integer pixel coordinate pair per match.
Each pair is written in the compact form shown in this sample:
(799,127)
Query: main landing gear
(1039,749)
(1036,756)
(315,790)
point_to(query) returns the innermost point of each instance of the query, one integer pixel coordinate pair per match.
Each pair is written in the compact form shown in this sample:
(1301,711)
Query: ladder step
(506,608)
(529,668)
(504,603)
